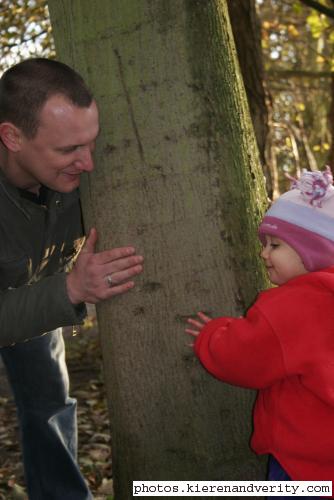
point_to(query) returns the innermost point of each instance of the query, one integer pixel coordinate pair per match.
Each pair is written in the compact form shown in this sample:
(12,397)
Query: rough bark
(178,176)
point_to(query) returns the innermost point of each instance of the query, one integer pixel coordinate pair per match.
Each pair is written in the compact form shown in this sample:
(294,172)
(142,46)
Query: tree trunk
(330,159)
(178,176)
(247,35)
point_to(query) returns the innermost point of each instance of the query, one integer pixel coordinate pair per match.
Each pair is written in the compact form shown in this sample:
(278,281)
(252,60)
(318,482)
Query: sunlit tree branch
(24,40)
(319,7)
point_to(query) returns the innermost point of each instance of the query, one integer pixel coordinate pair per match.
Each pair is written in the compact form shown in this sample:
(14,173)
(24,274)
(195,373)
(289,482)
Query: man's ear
(11,136)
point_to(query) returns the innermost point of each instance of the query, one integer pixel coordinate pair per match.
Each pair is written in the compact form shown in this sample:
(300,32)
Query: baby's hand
(197,325)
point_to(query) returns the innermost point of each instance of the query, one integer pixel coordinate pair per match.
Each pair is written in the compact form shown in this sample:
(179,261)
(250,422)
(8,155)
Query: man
(48,127)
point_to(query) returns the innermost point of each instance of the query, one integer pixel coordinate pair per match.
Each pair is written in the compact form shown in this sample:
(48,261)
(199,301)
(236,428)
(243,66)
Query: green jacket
(38,244)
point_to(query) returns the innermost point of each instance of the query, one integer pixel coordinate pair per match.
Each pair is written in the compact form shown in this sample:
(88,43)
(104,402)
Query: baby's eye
(274,245)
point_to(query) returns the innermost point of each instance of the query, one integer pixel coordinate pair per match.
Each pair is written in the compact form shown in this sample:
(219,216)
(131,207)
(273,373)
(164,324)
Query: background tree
(178,175)
(246,29)
(297,46)
(25,31)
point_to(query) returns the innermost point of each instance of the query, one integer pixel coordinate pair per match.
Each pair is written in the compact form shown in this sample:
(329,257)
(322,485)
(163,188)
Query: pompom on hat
(304,218)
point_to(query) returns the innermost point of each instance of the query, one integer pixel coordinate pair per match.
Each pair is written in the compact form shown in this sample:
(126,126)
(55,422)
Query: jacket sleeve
(244,352)
(31,310)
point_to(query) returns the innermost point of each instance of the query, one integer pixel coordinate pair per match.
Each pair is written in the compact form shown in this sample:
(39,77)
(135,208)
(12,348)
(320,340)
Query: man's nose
(85,159)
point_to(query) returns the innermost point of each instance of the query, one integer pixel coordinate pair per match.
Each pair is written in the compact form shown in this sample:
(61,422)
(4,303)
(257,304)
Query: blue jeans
(47,415)
(277,473)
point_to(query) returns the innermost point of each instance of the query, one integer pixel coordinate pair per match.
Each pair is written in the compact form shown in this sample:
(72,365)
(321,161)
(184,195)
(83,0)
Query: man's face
(61,149)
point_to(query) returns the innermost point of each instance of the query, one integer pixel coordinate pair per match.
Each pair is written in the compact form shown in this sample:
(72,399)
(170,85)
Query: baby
(284,347)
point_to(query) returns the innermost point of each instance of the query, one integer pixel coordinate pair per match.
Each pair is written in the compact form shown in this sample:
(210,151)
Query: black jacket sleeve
(31,310)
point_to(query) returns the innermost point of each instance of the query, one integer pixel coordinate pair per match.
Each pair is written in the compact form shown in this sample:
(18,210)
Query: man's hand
(99,276)
(197,324)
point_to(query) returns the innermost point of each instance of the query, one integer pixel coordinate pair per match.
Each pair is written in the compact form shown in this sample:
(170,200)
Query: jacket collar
(54,200)
(12,193)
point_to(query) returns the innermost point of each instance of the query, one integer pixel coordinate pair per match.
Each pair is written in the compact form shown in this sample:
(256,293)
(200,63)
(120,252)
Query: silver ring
(109,281)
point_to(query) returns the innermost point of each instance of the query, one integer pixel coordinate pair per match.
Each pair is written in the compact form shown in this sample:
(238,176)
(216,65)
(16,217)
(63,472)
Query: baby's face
(281,260)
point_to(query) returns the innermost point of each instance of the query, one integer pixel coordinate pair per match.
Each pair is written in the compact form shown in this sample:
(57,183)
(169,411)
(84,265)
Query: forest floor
(85,367)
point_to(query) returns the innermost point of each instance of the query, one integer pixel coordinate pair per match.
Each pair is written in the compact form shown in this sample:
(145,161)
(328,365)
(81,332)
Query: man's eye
(69,150)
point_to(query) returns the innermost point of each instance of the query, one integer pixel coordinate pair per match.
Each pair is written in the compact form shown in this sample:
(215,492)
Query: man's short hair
(25,87)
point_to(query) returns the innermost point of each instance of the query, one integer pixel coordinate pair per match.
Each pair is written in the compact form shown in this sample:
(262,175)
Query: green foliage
(318,24)
(297,8)
(298,50)
(25,31)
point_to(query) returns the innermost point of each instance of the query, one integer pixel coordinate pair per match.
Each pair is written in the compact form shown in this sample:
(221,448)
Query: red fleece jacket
(285,348)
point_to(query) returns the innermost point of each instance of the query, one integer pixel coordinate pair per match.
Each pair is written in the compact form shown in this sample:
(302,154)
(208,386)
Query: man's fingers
(119,289)
(123,264)
(112,255)
(121,276)
(89,246)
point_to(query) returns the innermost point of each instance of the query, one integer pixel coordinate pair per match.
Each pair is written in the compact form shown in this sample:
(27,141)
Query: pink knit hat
(304,218)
